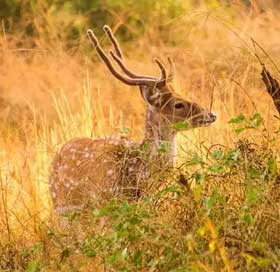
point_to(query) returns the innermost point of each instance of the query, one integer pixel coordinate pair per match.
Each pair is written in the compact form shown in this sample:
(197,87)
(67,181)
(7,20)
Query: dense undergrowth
(217,210)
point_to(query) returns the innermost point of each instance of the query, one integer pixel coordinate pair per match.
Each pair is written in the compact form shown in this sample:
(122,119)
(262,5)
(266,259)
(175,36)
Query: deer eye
(179,105)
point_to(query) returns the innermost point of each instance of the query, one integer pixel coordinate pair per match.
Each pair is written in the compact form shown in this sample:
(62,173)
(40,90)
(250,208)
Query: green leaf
(124,131)
(113,258)
(198,192)
(181,125)
(164,147)
(196,159)
(258,246)
(237,120)
(88,250)
(239,130)
(170,189)
(252,196)
(218,154)
(146,147)
(137,257)
(272,167)
(247,218)
(264,262)
(28,251)
(33,266)
(233,155)
(217,168)
(256,120)
(135,220)
(253,172)
(199,177)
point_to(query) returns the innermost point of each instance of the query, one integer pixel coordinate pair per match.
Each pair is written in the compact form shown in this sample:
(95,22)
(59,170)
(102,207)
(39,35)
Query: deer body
(85,169)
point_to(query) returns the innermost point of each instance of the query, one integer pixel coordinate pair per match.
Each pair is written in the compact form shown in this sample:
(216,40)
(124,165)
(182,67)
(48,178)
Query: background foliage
(70,18)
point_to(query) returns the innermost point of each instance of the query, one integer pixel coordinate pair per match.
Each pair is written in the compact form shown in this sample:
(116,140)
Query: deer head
(164,106)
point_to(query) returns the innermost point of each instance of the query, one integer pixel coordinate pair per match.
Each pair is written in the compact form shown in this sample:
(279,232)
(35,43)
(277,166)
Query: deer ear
(152,96)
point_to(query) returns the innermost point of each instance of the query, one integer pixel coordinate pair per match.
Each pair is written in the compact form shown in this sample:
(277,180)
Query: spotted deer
(86,169)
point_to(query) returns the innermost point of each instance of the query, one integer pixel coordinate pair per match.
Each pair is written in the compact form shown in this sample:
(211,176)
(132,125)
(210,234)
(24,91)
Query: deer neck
(160,137)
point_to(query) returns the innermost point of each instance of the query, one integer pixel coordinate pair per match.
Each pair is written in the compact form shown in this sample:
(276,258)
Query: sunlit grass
(50,97)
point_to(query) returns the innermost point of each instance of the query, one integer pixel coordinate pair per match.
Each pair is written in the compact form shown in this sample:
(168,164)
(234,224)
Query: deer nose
(213,116)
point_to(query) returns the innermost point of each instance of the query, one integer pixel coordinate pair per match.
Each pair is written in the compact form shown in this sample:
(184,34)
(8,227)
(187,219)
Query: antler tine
(114,41)
(162,81)
(126,70)
(104,57)
(118,56)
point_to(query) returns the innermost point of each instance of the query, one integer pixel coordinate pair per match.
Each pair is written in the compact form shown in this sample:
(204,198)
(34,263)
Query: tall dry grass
(49,95)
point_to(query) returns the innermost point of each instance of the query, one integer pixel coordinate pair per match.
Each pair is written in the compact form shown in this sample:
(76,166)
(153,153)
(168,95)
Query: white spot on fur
(78,163)
(71,181)
(110,172)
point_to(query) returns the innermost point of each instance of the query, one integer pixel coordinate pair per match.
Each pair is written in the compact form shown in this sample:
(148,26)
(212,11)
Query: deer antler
(132,79)
(118,57)
(124,68)
(113,40)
